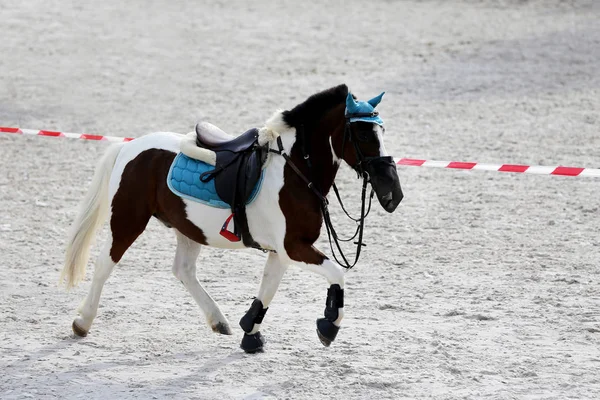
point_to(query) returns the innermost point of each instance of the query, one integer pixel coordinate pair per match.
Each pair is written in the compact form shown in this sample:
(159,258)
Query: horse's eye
(364,136)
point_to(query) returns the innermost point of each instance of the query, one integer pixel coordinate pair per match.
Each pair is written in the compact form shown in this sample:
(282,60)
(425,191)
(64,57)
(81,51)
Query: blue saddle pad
(184,181)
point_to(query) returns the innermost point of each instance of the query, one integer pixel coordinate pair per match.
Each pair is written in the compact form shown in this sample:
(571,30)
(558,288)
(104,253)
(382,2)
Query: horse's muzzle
(385,182)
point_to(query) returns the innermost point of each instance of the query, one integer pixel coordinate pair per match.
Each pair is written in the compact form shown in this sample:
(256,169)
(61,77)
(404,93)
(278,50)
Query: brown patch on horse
(299,204)
(143,193)
(317,120)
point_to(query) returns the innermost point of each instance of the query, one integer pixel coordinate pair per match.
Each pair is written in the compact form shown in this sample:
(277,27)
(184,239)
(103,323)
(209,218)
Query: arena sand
(481,285)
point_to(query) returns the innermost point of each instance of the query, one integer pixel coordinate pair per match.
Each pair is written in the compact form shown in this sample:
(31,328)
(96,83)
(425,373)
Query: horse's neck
(320,167)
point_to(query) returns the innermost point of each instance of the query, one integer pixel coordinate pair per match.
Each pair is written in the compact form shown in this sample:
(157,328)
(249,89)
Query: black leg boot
(326,330)
(252,343)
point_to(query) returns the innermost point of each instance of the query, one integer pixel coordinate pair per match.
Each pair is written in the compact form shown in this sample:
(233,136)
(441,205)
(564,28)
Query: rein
(331,232)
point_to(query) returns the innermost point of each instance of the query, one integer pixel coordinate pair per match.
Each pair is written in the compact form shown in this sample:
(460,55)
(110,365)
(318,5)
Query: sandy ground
(481,285)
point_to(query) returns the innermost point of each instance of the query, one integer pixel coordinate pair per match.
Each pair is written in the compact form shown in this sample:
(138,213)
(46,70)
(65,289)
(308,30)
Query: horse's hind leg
(250,322)
(184,269)
(127,222)
(89,307)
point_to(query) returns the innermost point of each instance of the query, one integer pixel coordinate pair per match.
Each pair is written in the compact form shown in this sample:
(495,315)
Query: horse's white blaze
(379,132)
(336,160)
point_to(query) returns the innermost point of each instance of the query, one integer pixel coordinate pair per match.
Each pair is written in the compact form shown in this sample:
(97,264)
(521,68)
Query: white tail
(92,214)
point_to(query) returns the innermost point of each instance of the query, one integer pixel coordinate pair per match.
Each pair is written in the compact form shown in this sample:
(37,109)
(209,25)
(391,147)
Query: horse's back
(166,141)
(139,190)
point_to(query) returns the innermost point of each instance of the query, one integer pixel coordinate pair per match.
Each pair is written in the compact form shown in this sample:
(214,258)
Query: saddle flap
(252,172)
(237,173)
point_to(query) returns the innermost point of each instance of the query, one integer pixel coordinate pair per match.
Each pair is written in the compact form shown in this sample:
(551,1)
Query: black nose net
(384,180)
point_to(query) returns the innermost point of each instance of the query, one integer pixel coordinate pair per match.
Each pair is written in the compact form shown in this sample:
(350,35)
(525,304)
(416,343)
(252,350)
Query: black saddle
(237,171)
(238,144)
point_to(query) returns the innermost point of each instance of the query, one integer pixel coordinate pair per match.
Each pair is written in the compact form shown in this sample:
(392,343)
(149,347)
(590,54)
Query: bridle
(360,168)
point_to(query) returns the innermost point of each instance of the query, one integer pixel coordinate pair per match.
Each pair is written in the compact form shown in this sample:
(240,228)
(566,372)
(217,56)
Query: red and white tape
(521,169)
(515,168)
(83,136)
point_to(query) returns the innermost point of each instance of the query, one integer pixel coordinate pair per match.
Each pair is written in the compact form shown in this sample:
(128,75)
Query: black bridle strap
(287,158)
(337,194)
(362,115)
(331,233)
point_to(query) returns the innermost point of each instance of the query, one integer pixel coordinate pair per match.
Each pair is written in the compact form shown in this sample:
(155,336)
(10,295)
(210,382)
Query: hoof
(326,331)
(222,328)
(252,343)
(78,331)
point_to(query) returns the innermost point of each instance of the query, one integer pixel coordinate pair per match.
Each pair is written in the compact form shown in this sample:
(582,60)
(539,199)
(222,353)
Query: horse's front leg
(184,269)
(311,259)
(250,322)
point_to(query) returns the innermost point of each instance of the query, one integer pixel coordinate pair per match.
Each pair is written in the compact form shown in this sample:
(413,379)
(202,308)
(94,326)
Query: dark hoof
(326,331)
(252,343)
(78,331)
(222,328)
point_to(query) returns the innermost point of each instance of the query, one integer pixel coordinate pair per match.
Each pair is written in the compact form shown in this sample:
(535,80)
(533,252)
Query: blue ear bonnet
(366,107)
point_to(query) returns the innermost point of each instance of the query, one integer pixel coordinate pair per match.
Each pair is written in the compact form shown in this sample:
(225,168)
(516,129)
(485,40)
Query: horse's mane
(311,111)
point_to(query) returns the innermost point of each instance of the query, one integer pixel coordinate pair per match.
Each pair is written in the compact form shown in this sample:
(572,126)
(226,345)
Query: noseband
(361,171)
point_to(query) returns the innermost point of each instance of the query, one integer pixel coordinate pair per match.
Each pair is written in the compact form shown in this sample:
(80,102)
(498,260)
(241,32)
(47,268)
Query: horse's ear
(376,100)
(351,104)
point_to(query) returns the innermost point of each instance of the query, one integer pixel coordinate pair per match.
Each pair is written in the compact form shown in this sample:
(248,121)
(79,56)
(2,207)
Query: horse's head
(363,149)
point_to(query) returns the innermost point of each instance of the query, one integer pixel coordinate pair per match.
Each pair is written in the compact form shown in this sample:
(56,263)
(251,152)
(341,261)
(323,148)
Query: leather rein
(360,221)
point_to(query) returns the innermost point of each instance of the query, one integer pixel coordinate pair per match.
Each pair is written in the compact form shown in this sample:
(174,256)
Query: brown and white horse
(130,187)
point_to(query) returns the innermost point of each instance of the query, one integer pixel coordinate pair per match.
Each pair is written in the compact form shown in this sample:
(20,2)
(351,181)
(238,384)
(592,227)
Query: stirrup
(227,234)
